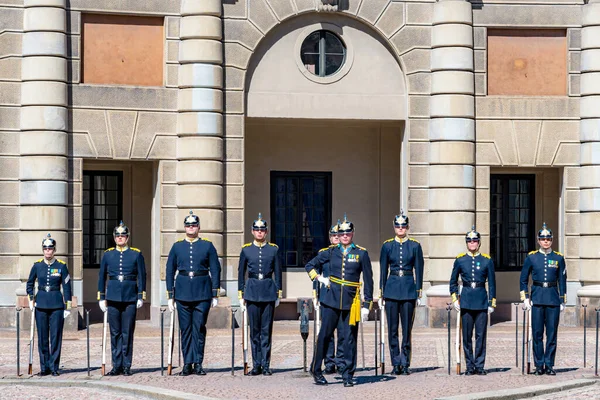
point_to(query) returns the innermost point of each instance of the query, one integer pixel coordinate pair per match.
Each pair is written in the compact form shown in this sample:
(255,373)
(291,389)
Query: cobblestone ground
(585,393)
(429,363)
(45,393)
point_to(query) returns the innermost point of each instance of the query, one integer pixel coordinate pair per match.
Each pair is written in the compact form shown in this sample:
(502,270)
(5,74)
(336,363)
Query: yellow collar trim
(259,244)
(121,249)
(187,239)
(401,240)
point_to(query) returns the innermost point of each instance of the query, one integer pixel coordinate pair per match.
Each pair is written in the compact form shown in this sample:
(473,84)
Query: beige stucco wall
(364,159)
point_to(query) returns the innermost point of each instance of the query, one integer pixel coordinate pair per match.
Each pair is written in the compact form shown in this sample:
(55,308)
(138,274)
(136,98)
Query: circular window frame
(348,61)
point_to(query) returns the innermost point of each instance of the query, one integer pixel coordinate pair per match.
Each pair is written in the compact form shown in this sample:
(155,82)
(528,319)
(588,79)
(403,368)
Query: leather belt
(402,272)
(545,284)
(122,278)
(48,288)
(192,274)
(260,276)
(474,284)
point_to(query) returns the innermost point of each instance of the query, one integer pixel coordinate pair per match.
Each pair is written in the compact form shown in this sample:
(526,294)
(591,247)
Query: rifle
(458,342)
(245,340)
(171,340)
(104,324)
(31,343)
(382,339)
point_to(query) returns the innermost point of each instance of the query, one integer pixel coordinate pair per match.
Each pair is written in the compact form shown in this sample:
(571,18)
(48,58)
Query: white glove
(562,307)
(456,305)
(490,310)
(31,305)
(140,303)
(277,303)
(323,280)
(66,313)
(315,302)
(419,302)
(527,304)
(214,302)
(364,314)
(381,303)
(102,304)
(242,305)
(171,304)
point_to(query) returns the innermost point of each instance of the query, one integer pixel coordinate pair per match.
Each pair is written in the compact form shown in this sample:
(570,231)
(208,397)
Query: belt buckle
(47,288)
(121,277)
(545,284)
(400,273)
(261,276)
(191,274)
(473,285)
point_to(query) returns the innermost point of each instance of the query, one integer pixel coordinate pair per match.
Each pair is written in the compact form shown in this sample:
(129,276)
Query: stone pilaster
(589,174)
(452,145)
(200,149)
(43,138)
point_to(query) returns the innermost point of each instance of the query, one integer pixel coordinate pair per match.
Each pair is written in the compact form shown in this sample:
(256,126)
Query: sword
(458,342)
(529,338)
(362,343)
(104,324)
(245,340)
(31,344)
(19,341)
(382,339)
(171,340)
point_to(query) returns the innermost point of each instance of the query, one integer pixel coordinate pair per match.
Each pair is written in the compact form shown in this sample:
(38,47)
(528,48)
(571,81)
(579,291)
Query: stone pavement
(429,380)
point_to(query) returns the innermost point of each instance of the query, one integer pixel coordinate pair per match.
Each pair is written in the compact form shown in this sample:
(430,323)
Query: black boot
(115,371)
(187,370)
(127,371)
(405,371)
(539,371)
(550,371)
(198,370)
(348,382)
(267,371)
(257,370)
(319,379)
(397,370)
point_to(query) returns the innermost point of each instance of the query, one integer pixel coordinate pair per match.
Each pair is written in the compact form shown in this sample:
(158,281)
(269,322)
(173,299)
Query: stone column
(200,121)
(452,147)
(589,201)
(43,139)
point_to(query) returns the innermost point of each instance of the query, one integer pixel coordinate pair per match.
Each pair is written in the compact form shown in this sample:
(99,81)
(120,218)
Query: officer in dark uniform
(331,361)
(473,302)
(125,270)
(194,291)
(341,299)
(260,293)
(548,296)
(401,284)
(51,306)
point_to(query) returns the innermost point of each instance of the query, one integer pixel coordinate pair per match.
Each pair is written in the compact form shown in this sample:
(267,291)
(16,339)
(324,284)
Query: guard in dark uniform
(340,301)
(194,291)
(260,293)
(121,291)
(473,302)
(400,285)
(332,362)
(546,299)
(51,307)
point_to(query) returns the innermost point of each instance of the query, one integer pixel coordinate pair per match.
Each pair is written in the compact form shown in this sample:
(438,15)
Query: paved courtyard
(429,379)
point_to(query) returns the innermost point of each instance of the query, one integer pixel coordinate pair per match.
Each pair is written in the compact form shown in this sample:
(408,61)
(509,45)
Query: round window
(323,53)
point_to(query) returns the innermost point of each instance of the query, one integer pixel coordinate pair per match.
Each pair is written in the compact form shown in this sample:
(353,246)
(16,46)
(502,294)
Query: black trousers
(121,319)
(260,319)
(474,319)
(400,312)
(192,322)
(50,324)
(330,318)
(331,360)
(544,317)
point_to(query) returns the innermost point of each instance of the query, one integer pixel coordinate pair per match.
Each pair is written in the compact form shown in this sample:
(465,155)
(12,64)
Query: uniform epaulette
(246,245)
(327,248)
(559,253)
(61,261)
(179,240)
(461,255)
(360,247)
(414,240)
(486,255)
(40,260)
(109,249)
(273,244)
(206,240)
(532,252)
(135,249)
(389,240)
